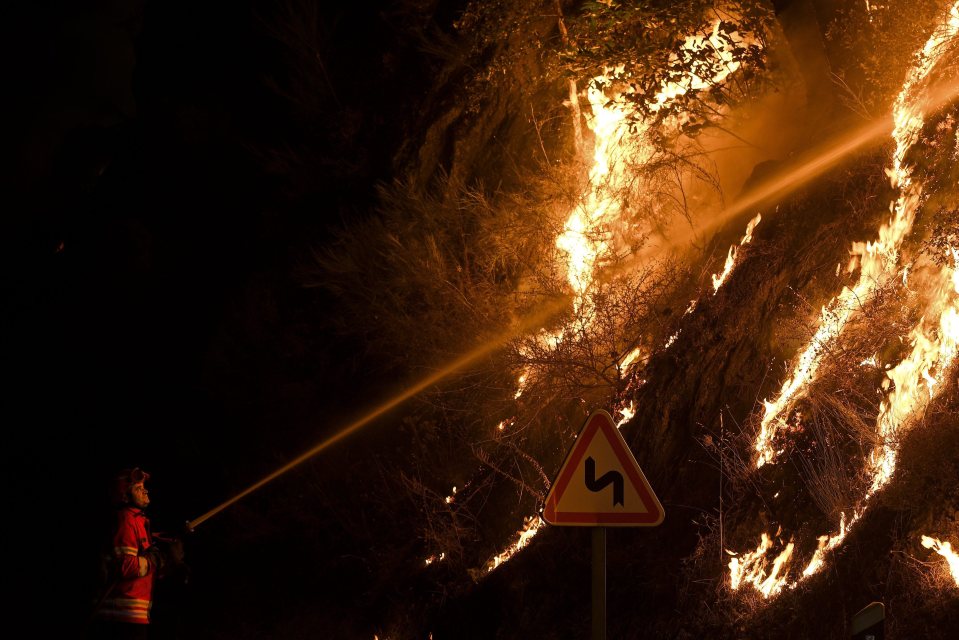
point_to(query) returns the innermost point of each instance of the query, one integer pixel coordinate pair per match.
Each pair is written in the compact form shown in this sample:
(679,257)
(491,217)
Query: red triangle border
(598,421)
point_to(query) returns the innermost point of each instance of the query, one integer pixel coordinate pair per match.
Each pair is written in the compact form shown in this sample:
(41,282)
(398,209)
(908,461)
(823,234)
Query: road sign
(868,623)
(600,484)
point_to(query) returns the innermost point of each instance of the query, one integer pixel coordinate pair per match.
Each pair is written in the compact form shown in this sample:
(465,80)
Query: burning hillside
(422,258)
(686,364)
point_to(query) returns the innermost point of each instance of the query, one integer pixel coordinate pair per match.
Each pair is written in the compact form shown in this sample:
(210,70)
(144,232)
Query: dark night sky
(169,169)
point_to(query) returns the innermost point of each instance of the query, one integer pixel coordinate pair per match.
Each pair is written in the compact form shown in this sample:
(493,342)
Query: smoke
(784,112)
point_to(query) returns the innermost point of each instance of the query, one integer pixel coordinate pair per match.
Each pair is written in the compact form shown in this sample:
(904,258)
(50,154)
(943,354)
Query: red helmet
(124,481)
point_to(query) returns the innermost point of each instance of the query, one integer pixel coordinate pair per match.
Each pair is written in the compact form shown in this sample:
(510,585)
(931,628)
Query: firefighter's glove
(156,559)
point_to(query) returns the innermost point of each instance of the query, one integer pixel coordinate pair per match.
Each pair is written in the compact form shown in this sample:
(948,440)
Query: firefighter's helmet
(124,481)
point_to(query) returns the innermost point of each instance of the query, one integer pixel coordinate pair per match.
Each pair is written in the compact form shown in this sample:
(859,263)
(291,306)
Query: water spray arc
(532,322)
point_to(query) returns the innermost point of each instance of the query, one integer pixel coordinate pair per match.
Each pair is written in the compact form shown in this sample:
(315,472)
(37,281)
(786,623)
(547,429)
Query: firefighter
(133,563)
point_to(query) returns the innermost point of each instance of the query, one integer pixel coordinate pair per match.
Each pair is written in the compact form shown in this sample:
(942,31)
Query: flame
(945,550)
(523,536)
(716,66)
(620,142)
(911,384)
(933,351)
(877,260)
(718,279)
(586,237)
(752,568)
(627,414)
(828,543)
(521,385)
(630,359)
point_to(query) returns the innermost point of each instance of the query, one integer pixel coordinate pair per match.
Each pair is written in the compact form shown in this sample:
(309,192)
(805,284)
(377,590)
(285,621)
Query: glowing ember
(670,340)
(945,550)
(521,385)
(627,414)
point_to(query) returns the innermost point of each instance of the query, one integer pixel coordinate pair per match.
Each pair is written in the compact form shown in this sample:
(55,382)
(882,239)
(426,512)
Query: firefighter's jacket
(131,596)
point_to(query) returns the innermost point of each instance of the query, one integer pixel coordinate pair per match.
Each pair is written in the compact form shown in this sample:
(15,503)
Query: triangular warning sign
(601,484)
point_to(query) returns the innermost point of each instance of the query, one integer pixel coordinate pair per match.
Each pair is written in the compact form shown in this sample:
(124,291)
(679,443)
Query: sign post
(601,485)
(868,623)
(599,583)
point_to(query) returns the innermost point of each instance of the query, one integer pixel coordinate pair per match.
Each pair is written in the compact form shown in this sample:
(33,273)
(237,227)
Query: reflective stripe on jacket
(131,597)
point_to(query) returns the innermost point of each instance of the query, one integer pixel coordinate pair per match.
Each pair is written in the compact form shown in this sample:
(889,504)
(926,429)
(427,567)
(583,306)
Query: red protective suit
(131,597)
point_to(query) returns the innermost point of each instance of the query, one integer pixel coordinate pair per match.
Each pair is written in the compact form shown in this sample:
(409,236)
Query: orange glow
(626,414)
(945,550)
(911,384)
(620,142)
(719,278)
(753,568)
(529,323)
(530,528)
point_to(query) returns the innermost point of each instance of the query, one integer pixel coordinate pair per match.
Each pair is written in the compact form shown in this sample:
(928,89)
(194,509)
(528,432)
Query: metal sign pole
(599,583)
(600,484)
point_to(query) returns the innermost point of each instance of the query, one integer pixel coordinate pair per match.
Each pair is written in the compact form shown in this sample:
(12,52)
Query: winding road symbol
(620,496)
(595,484)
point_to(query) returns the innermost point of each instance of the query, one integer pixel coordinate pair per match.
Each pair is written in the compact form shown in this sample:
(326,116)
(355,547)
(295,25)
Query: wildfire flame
(586,237)
(719,278)
(911,384)
(523,536)
(876,260)
(620,142)
(945,550)
(630,358)
(627,414)
(706,72)
(754,568)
